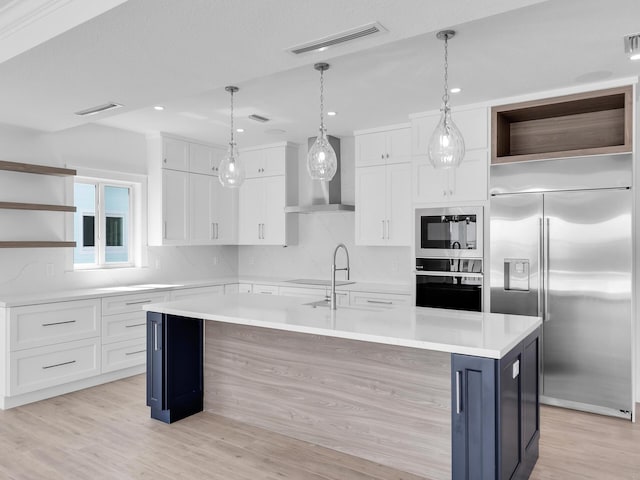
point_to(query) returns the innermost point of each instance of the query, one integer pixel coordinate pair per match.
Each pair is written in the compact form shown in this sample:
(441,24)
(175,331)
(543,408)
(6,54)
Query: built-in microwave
(449,232)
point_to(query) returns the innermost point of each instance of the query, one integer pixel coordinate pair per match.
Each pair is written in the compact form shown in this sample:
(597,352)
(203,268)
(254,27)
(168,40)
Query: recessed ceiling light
(332,114)
(455,90)
(158,107)
(240,130)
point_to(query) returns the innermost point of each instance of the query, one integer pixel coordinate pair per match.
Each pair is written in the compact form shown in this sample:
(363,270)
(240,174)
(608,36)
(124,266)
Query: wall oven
(454,283)
(451,232)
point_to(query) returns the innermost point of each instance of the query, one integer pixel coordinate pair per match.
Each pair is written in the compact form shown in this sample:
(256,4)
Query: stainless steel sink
(313,281)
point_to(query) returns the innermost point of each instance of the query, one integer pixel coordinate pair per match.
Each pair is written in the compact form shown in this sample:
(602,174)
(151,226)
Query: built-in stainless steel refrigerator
(561,248)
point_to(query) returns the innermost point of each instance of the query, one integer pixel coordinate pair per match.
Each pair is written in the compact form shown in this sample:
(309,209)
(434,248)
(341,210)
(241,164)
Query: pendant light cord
(322,100)
(445,97)
(232,140)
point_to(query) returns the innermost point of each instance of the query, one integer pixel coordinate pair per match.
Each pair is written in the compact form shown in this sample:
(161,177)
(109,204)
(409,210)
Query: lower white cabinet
(37,368)
(265,289)
(128,353)
(371,299)
(123,326)
(197,292)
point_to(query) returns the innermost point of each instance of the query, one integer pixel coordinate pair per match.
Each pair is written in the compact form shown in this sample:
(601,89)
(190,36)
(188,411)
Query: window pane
(84,195)
(116,200)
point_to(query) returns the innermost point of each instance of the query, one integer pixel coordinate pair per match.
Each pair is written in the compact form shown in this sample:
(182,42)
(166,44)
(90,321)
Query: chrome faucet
(333,273)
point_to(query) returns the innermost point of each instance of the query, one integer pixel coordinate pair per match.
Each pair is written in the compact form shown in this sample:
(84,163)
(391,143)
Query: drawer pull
(58,323)
(140,302)
(133,353)
(381,302)
(135,325)
(58,364)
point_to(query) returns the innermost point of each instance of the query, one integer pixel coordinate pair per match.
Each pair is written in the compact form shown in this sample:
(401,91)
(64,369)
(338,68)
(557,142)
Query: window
(103,224)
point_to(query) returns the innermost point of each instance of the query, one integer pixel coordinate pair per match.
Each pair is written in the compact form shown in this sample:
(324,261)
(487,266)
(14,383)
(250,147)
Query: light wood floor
(106,433)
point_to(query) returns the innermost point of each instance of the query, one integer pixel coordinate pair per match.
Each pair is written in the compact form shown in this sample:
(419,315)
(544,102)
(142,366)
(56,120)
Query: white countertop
(16,300)
(481,334)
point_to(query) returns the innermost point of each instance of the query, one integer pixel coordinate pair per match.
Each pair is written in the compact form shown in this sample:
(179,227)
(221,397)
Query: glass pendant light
(321,159)
(446,145)
(231,171)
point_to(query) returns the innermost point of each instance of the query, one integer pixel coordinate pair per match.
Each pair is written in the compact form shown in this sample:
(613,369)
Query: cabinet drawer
(131,303)
(53,365)
(307,292)
(39,325)
(265,289)
(197,292)
(379,300)
(130,353)
(124,326)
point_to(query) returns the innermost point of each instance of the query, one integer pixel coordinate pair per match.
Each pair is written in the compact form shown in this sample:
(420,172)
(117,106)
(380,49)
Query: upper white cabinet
(466,183)
(270,186)
(383,192)
(382,147)
(187,204)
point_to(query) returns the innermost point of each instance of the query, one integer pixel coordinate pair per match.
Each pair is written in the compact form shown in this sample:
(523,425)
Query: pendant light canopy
(321,159)
(446,145)
(231,171)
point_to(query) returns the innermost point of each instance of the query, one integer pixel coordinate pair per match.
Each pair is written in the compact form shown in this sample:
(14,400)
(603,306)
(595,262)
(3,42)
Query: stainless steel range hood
(317,196)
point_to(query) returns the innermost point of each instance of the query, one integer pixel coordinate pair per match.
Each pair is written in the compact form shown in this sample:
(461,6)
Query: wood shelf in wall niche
(591,123)
(37,169)
(36,206)
(36,244)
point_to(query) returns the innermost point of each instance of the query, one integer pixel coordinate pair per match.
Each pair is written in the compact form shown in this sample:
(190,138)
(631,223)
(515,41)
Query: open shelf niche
(592,123)
(38,170)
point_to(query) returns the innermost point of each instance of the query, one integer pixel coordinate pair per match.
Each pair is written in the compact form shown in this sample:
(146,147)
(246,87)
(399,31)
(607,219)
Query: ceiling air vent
(332,40)
(99,109)
(258,118)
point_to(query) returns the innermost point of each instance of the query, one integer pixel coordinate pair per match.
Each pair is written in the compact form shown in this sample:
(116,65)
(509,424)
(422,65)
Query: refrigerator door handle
(540,269)
(546,272)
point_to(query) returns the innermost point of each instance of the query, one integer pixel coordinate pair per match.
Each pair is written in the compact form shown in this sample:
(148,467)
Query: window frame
(100,229)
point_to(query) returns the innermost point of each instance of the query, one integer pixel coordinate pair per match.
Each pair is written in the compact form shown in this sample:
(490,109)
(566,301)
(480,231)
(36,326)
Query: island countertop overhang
(480,334)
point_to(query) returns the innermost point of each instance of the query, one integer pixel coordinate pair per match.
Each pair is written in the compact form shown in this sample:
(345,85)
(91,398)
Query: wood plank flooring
(105,433)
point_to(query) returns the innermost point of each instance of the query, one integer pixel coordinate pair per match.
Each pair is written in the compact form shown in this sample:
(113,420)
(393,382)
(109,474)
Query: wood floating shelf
(36,244)
(36,206)
(37,169)
(592,123)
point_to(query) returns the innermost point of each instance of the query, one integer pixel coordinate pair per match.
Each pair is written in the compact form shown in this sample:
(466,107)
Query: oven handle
(449,274)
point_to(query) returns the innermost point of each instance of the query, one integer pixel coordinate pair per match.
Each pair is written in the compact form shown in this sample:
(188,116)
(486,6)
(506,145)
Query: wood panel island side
(438,393)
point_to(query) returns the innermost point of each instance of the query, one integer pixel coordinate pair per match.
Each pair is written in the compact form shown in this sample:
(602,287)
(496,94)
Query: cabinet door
(251,196)
(371,205)
(175,205)
(274,161)
(224,213)
(175,154)
(469,181)
(253,162)
(398,146)
(204,159)
(473,124)
(200,223)
(429,185)
(371,149)
(274,219)
(398,227)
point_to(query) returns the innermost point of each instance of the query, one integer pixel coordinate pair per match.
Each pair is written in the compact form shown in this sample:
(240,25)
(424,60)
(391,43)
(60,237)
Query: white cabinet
(383,205)
(187,204)
(468,182)
(372,299)
(197,292)
(264,196)
(265,289)
(383,147)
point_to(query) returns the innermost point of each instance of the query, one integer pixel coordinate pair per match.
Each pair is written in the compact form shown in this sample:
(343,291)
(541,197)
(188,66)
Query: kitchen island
(438,393)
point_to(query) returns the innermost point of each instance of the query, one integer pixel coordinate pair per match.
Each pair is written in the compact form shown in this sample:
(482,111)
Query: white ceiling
(181,54)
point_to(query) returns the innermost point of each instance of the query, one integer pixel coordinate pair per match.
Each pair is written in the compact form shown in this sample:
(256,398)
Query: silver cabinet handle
(387,155)
(388,228)
(58,323)
(259,232)
(133,353)
(155,336)
(212,232)
(165,160)
(546,274)
(217,231)
(58,365)
(135,325)
(263,231)
(444,193)
(458,394)
(540,262)
(382,230)
(139,302)
(164,230)
(382,156)
(381,302)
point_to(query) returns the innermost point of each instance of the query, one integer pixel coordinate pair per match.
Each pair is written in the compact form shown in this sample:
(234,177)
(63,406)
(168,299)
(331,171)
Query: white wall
(102,148)
(319,233)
